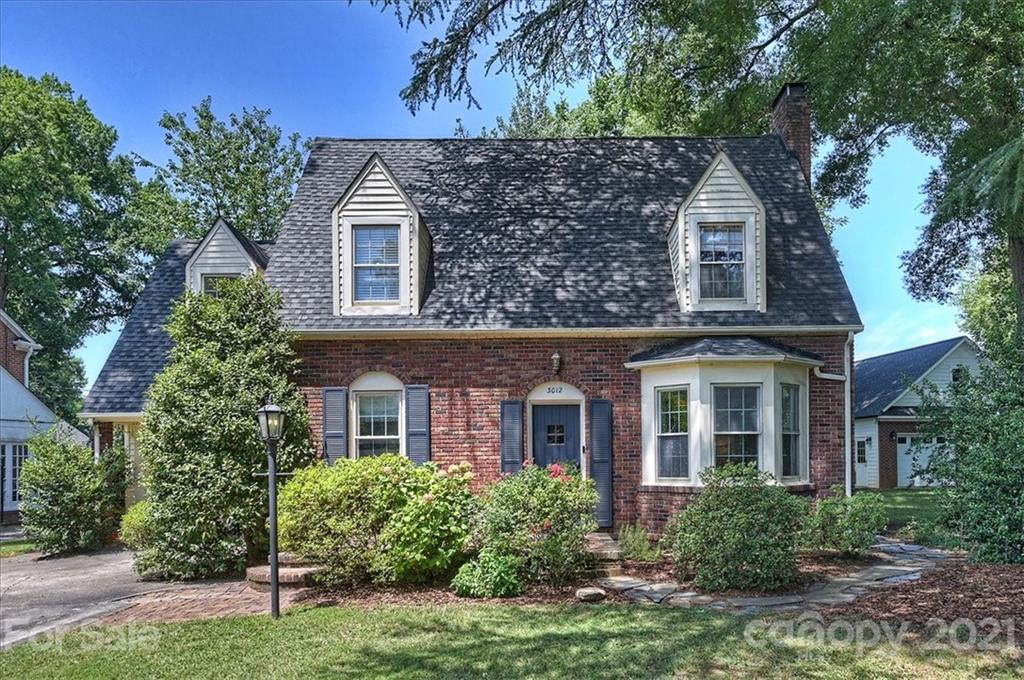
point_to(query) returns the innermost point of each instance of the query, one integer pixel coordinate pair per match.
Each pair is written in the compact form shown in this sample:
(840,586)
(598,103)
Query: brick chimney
(791,120)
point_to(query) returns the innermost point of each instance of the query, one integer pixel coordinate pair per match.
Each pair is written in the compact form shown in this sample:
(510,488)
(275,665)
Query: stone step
(258,578)
(604,570)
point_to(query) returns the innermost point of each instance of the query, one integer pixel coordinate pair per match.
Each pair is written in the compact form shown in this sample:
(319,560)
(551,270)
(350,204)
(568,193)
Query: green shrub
(70,500)
(981,462)
(136,532)
(542,516)
(381,518)
(847,524)
(200,444)
(636,544)
(740,532)
(489,575)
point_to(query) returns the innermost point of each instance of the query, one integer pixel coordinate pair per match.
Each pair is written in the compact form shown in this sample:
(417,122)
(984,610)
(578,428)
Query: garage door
(912,454)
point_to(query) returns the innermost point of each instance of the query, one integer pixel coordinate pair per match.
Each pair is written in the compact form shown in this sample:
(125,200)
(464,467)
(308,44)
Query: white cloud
(920,324)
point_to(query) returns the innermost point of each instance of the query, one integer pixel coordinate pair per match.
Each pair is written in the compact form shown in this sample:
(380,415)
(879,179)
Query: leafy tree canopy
(70,257)
(948,74)
(987,307)
(244,169)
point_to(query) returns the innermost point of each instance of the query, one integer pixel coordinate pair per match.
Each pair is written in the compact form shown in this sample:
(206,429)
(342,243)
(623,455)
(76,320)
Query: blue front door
(556,434)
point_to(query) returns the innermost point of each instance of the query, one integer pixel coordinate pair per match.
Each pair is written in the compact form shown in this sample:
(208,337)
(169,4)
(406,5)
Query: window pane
(790,455)
(376,447)
(672,412)
(376,245)
(376,283)
(736,448)
(673,456)
(378,415)
(721,258)
(790,408)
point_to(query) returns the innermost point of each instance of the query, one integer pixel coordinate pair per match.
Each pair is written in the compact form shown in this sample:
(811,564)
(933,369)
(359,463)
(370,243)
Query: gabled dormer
(717,243)
(381,247)
(224,253)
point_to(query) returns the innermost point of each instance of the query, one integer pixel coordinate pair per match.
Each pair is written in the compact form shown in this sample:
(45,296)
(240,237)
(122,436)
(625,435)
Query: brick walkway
(204,601)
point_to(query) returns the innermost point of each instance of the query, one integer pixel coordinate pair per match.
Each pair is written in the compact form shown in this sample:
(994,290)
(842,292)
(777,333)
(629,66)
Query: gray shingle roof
(880,380)
(559,233)
(141,350)
(722,346)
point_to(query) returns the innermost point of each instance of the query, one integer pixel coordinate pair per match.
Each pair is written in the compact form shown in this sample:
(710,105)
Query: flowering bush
(541,516)
(381,518)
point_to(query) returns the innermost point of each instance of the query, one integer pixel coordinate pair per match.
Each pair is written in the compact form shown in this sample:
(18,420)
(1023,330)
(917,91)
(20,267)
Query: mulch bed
(953,591)
(813,567)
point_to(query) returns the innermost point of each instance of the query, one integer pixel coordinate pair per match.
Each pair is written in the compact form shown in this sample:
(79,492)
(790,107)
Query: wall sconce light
(892,437)
(556,362)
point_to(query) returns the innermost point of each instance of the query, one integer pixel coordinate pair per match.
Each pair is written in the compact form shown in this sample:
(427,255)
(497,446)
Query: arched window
(376,402)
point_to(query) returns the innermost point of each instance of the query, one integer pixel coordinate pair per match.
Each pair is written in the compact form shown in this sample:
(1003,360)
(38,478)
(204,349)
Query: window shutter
(335,417)
(511,436)
(601,458)
(417,423)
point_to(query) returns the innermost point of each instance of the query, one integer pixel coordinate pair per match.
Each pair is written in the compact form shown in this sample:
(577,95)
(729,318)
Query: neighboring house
(22,414)
(643,308)
(887,446)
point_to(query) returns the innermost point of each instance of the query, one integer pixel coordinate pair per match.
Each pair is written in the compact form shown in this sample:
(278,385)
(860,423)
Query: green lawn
(477,640)
(12,548)
(904,505)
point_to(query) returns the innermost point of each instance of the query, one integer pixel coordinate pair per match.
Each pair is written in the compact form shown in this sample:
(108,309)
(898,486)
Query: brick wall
(468,379)
(888,475)
(11,358)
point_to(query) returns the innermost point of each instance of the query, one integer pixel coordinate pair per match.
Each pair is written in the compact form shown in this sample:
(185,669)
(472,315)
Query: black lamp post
(271,419)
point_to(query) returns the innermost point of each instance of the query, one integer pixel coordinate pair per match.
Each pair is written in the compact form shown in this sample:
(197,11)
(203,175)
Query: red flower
(556,470)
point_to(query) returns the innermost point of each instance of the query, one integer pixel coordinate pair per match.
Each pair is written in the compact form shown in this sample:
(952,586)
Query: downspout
(847,410)
(28,348)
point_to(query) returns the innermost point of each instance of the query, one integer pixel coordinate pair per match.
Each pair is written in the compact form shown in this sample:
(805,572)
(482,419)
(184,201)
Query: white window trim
(211,275)
(346,269)
(658,479)
(760,420)
(557,393)
(748,220)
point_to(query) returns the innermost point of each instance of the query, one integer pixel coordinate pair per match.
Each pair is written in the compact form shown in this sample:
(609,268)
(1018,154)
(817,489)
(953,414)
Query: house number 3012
(554,390)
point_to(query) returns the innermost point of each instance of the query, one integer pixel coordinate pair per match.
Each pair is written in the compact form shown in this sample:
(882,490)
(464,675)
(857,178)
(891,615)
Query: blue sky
(334,69)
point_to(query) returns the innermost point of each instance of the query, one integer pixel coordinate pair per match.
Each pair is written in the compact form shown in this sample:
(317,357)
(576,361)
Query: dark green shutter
(601,458)
(511,436)
(417,423)
(335,417)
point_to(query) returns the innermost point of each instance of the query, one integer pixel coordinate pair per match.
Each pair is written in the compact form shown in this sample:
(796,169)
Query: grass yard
(12,548)
(904,505)
(477,640)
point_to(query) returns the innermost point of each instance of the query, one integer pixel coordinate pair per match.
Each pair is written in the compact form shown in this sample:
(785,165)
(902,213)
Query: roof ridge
(537,139)
(911,349)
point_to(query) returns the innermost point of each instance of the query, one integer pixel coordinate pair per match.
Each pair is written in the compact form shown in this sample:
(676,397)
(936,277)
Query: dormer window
(721,262)
(382,248)
(211,281)
(717,245)
(376,268)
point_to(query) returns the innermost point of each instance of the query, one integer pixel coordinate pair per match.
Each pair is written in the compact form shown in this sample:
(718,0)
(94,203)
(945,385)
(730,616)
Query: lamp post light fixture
(271,420)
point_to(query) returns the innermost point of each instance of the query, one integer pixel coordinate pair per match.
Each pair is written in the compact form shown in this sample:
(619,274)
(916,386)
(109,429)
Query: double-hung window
(790,431)
(375,266)
(722,262)
(737,423)
(673,433)
(377,423)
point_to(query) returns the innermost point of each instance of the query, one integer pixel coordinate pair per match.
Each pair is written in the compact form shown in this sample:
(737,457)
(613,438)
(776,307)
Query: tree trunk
(1015,246)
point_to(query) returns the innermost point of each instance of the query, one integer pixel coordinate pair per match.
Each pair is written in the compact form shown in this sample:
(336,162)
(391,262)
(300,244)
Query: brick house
(640,307)
(887,446)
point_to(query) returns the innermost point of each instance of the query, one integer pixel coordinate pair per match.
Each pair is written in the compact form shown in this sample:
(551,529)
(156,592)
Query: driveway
(42,595)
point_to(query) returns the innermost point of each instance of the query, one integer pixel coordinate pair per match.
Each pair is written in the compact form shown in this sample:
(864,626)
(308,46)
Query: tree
(949,75)
(981,462)
(70,259)
(244,170)
(200,445)
(988,306)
